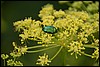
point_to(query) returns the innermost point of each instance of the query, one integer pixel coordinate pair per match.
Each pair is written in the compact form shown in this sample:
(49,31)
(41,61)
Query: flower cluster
(89,6)
(96,54)
(3,56)
(76,47)
(11,62)
(73,27)
(43,60)
(76,30)
(18,51)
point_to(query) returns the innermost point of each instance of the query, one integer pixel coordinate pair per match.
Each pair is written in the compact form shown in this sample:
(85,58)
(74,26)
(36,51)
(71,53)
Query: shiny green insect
(49,29)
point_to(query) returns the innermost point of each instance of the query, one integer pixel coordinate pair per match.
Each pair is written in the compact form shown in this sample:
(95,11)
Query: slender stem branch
(39,46)
(90,46)
(4,63)
(56,53)
(14,58)
(35,46)
(42,49)
(85,54)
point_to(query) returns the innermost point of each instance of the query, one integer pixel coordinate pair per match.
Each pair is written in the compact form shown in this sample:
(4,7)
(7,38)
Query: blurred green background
(12,11)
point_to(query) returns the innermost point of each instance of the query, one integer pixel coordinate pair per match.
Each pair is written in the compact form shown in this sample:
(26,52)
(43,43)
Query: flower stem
(56,53)
(85,54)
(90,46)
(39,46)
(42,49)
(4,63)
(35,46)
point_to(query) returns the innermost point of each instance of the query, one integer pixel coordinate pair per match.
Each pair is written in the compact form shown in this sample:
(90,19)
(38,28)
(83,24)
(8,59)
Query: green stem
(90,46)
(35,46)
(42,49)
(14,58)
(85,54)
(38,46)
(4,63)
(56,53)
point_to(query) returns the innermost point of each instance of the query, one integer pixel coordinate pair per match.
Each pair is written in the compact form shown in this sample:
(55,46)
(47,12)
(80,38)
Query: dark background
(12,11)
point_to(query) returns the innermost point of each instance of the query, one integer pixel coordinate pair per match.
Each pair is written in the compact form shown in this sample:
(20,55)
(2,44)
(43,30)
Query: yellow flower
(76,47)
(59,13)
(4,56)
(10,62)
(18,50)
(18,63)
(96,54)
(43,60)
(73,28)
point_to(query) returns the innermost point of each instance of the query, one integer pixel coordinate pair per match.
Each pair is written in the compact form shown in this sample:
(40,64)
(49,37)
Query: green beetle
(49,29)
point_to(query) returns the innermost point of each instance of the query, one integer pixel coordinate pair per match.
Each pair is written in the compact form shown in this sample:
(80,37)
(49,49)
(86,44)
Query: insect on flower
(49,29)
